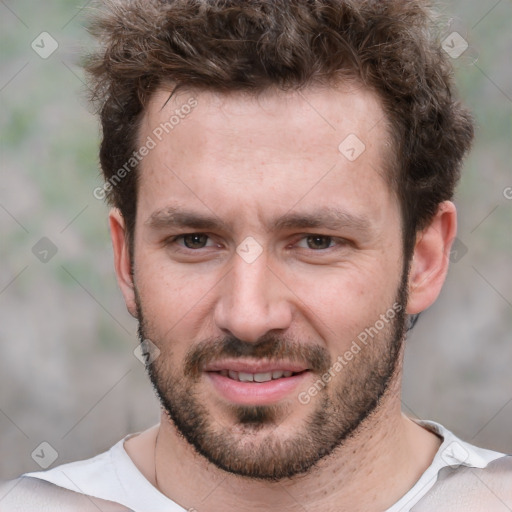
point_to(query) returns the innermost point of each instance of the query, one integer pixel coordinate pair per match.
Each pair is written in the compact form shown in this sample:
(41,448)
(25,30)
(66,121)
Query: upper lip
(254,367)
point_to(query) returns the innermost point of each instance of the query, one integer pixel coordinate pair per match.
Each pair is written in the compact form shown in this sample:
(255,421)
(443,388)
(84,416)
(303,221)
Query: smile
(257,377)
(255,383)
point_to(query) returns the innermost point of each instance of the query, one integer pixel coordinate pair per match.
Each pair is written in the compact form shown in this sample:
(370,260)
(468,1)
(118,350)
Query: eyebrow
(329,218)
(179,218)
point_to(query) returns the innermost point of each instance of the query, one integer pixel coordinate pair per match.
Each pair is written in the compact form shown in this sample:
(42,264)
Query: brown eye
(318,242)
(195,240)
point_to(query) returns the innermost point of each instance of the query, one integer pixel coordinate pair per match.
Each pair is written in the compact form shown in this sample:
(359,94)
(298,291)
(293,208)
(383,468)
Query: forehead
(273,148)
(318,115)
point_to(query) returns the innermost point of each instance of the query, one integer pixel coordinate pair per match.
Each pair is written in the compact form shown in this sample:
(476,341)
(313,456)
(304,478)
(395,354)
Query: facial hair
(252,444)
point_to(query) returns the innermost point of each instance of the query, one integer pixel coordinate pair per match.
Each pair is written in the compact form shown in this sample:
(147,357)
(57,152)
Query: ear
(430,259)
(122,260)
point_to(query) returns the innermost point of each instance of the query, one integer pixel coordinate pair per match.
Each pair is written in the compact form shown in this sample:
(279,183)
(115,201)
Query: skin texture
(244,162)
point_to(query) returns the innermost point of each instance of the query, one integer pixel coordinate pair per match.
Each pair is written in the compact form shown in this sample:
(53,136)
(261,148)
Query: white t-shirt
(113,476)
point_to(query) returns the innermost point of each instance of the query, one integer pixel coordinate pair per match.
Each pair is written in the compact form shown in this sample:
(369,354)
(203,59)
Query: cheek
(171,297)
(342,303)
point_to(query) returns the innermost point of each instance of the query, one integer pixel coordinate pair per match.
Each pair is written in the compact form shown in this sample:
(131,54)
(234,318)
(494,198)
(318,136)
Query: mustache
(270,347)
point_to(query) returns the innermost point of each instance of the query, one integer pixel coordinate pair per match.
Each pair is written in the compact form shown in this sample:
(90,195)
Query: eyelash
(339,241)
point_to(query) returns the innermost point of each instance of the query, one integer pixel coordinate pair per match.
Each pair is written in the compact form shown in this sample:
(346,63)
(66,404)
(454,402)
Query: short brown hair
(389,46)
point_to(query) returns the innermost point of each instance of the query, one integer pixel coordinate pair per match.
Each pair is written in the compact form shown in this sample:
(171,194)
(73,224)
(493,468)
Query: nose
(252,301)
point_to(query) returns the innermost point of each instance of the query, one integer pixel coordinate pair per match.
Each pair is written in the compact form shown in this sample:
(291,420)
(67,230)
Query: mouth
(255,384)
(258,377)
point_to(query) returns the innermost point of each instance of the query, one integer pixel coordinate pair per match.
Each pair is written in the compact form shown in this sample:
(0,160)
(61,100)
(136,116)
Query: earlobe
(122,259)
(430,260)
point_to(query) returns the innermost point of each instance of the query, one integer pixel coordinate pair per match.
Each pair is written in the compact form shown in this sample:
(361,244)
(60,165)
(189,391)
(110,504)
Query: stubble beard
(253,443)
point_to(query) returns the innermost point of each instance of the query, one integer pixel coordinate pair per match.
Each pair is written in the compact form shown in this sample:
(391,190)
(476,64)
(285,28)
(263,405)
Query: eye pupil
(195,241)
(318,242)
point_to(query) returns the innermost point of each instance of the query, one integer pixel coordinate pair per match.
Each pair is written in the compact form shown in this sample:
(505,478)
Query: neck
(369,472)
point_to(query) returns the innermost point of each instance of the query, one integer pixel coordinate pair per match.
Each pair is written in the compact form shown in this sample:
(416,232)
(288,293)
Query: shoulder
(469,489)
(27,493)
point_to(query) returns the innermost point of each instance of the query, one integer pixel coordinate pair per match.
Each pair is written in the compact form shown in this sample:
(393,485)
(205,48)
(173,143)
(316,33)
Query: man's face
(264,249)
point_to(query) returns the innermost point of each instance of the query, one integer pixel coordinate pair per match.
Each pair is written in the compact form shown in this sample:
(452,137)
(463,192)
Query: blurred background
(68,374)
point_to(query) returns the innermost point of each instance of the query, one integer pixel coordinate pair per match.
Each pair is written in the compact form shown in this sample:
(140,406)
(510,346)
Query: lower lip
(256,393)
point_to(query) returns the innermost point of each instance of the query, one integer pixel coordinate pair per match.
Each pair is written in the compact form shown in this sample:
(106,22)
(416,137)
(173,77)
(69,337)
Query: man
(280,175)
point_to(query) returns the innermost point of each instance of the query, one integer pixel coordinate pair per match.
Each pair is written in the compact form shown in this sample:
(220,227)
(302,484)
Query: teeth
(256,377)
(262,377)
(245,377)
